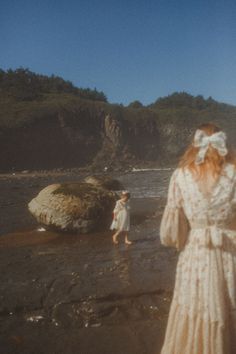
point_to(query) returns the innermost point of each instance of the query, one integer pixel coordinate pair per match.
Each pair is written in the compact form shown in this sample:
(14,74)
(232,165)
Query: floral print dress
(202,317)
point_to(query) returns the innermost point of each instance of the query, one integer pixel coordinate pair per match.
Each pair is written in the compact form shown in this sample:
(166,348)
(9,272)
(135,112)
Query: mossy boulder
(104,182)
(74,207)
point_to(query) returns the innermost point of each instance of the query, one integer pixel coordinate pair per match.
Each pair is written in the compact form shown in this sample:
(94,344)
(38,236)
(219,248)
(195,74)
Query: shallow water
(17,190)
(148,183)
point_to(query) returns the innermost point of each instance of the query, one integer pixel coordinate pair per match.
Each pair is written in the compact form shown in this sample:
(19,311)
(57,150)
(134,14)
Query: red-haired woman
(200,220)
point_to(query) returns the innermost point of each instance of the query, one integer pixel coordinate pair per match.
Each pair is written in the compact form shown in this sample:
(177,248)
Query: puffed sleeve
(232,220)
(118,207)
(234,191)
(174,226)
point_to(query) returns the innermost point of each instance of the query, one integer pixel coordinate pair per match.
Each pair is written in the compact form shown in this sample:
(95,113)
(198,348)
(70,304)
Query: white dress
(122,221)
(202,317)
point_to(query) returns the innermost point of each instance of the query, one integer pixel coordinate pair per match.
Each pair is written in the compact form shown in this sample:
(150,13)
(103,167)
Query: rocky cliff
(79,134)
(64,130)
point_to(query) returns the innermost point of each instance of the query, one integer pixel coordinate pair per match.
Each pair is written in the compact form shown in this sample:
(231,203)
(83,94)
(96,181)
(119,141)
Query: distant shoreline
(62,172)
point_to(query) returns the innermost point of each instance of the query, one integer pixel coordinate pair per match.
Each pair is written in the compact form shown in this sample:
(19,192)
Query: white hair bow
(202,140)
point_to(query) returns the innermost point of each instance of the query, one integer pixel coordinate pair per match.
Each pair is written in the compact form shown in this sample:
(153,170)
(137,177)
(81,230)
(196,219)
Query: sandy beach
(69,293)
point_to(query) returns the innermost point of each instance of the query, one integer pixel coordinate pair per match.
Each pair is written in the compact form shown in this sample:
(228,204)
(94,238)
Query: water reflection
(147,183)
(121,260)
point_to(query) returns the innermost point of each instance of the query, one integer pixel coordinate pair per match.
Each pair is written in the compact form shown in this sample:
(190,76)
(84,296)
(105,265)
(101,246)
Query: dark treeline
(25,85)
(180,100)
(184,99)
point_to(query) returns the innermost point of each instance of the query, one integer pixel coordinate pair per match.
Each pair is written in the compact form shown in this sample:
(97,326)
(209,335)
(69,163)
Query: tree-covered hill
(184,99)
(47,122)
(25,85)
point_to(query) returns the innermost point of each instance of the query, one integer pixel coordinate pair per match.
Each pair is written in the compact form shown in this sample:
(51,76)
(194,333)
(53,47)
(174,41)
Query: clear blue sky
(130,49)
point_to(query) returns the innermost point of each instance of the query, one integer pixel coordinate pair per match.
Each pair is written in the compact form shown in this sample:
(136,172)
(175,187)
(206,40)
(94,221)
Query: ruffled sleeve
(118,207)
(174,226)
(232,221)
(234,191)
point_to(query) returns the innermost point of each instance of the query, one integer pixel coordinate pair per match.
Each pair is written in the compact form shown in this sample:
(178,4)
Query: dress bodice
(187,206)
(219,206)
(120,205)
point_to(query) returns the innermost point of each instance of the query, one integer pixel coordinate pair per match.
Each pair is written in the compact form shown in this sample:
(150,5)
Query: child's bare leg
(114,237)
(128,242)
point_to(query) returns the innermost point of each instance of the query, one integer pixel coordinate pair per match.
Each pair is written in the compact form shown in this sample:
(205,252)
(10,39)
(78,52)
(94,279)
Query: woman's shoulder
(230,170)
(230,166)
(179,177)
(177,173)
(118,201)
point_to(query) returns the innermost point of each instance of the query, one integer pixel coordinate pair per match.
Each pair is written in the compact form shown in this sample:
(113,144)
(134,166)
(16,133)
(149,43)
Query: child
(121,219)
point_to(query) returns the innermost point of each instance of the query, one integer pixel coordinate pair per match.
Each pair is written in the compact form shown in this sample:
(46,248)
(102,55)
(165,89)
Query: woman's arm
(174,226)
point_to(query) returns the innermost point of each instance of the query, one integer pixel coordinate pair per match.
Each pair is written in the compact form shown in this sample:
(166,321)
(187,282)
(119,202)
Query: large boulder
(104,182)
(74,207)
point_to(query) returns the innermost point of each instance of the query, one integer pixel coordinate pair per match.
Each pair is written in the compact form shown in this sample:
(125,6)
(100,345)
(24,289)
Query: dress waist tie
(213,235)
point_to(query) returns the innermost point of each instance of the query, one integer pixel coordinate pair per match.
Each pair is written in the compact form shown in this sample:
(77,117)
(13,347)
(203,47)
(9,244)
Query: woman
(199,220)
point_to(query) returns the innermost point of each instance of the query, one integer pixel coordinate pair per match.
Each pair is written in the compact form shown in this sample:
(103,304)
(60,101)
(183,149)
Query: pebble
(34,318)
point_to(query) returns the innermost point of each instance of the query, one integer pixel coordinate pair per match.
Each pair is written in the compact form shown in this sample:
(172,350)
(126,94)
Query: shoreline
(82,171)
(17,191)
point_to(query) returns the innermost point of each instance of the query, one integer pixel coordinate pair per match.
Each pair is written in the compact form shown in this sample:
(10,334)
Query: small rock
(34,318)
(96,325)
(41,229)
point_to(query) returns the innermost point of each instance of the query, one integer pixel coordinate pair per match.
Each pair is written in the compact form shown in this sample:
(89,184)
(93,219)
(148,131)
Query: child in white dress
(121,217)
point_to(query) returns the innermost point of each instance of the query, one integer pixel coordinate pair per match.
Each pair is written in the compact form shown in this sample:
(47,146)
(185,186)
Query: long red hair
(213,161)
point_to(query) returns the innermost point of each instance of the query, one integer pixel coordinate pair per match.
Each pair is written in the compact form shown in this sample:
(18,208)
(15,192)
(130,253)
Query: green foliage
(135,105)
(26,97)
(15,113)
(185,110)
(24,85)
(184,99)
(80,190)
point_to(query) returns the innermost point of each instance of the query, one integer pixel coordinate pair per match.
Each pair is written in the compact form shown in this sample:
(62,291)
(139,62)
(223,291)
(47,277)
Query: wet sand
(81,294)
